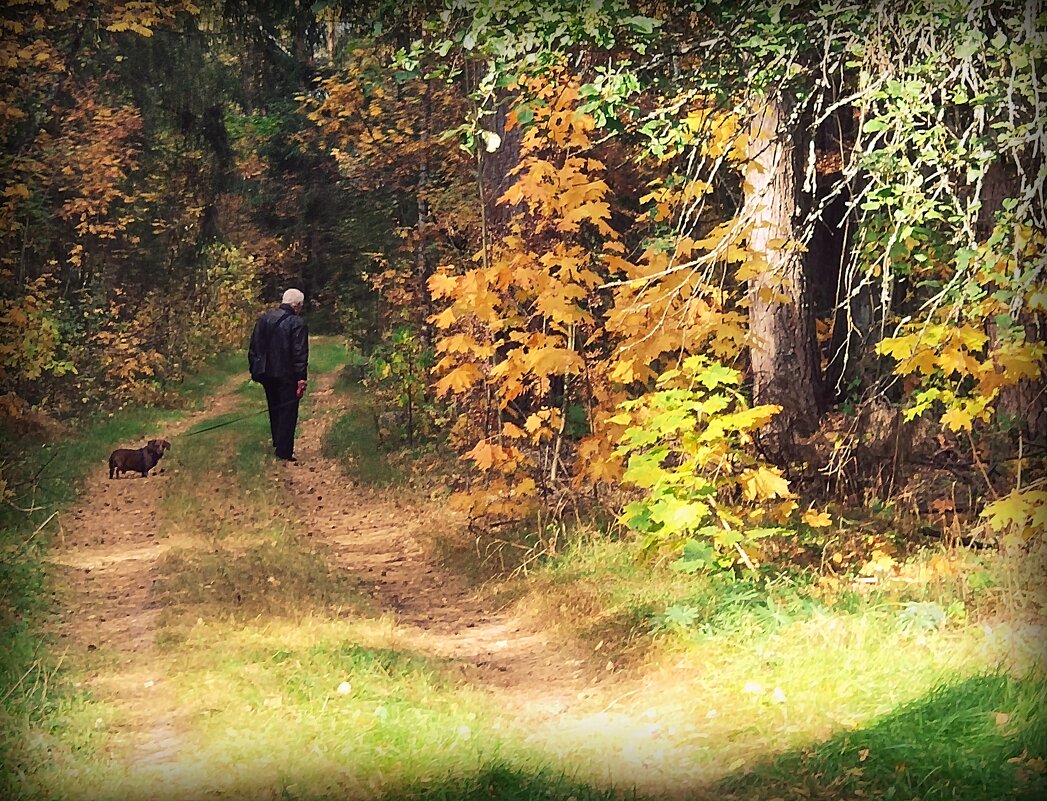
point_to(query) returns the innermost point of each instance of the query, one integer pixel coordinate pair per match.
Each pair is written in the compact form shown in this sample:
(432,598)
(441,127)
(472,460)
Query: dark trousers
(282,397)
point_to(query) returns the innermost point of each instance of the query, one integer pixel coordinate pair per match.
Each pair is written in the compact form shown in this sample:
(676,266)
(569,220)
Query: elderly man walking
(278,359)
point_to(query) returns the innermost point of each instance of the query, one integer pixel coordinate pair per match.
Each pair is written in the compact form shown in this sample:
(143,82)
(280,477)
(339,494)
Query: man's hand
(301,388)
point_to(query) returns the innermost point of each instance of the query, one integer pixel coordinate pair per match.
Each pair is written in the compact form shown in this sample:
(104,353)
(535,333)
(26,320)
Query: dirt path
(106,565)
(378,536)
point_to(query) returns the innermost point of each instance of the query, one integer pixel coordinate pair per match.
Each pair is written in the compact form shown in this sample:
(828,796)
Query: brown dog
(143,460)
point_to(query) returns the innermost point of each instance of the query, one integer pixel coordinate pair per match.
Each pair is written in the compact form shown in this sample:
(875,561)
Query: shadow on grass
(277,576)
(982,739)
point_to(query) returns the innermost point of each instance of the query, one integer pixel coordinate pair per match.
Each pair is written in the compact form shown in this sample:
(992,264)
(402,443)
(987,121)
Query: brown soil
(106,618)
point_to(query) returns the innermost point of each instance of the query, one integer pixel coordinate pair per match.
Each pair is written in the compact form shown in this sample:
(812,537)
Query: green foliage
(684,446)
(354,440)
(398,374)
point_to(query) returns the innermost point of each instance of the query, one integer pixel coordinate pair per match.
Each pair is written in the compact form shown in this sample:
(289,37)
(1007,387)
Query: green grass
(327,354)
(208,378)
(978,739)
(283,681)
(353,440)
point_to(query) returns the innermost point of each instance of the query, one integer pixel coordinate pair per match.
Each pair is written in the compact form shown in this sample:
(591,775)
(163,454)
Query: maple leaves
(1019,515)
(952,361)
(620,254)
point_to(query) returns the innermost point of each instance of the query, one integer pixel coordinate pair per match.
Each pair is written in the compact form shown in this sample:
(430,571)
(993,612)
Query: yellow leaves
(742,420)
(16,190)
(936,347)
(953,360)
(764,483)
(924,360)
(781,512)
(1021,360)
(557,307)
(597,461)
(1022,513)
(627,369)
(463,343)
(562,195)
(459,380)
(444,319)
(488,455)
(552,360)
(513,431)
(816,519)
(957,419)
(442,285)
(973,339)
(596,213)
(898,348)
(543,425)
(880,563)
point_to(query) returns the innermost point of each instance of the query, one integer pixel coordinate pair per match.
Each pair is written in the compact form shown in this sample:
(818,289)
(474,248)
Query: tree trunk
(783,351)
(423,262)
(1021,407)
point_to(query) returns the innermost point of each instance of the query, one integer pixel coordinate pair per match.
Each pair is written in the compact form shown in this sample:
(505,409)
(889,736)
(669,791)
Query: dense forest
(710,259)
(710,276)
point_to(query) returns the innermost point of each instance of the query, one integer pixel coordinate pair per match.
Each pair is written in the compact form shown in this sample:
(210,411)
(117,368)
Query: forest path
(379,535)
(106,617)
(111,562)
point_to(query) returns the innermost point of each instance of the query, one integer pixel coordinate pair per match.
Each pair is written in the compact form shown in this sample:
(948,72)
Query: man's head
(295,299)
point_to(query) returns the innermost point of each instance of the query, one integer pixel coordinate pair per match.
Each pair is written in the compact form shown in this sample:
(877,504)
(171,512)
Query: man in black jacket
(278,359)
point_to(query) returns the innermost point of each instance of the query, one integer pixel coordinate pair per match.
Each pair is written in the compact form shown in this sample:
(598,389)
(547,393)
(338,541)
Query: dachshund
(143,460)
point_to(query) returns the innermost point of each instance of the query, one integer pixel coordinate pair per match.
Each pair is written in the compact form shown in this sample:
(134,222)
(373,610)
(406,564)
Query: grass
(286,683)
(742,669)
(278,678)
(31,687)
(353,440)
(327,354)
(974,739)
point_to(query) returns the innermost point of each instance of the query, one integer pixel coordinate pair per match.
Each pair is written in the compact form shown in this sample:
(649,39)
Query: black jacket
(279,346)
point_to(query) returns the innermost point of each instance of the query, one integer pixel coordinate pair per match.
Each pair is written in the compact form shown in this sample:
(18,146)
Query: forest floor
(234,626)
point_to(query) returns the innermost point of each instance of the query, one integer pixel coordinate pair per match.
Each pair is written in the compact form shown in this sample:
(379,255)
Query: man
(278,359)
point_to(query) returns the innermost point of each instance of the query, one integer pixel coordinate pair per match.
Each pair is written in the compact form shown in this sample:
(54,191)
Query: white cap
(292,297)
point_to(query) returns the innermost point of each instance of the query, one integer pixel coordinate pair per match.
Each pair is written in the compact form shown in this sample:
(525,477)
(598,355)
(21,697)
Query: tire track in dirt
(378,536)
(103,567)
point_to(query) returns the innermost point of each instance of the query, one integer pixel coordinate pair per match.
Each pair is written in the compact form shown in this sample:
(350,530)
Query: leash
(238,419)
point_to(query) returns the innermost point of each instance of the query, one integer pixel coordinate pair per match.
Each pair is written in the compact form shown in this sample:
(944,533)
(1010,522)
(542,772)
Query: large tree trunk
(1021,407)
(783,350)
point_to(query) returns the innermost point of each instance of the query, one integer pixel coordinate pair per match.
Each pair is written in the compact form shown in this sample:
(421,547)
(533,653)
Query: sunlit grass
(731,671)
(39,699)
(280,679)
